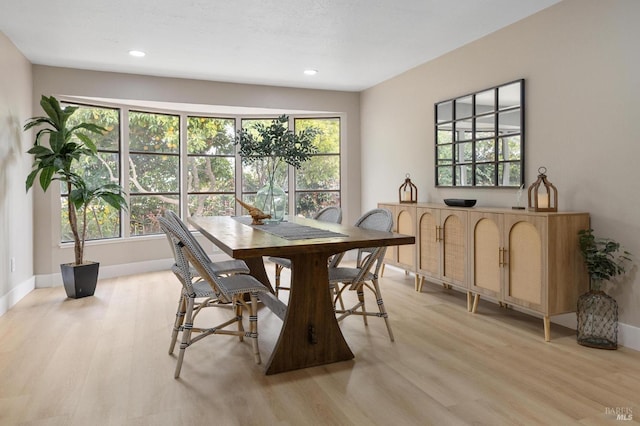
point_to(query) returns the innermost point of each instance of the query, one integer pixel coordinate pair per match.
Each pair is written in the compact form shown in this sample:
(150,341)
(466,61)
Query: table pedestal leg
(256,266)
(310,333)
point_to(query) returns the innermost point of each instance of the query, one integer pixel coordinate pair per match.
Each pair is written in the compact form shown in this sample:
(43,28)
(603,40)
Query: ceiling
(353,44)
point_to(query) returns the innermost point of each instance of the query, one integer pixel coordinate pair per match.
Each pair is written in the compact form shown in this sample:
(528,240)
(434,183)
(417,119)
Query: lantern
(408,193)
(543,196)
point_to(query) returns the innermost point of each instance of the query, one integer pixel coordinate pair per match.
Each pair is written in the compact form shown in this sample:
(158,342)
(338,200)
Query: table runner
(290,230)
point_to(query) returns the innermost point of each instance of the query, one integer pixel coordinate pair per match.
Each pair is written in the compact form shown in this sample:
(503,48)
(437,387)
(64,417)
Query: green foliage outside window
(154,169)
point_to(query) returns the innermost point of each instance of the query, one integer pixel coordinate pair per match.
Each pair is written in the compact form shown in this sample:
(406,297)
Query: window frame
(183,156)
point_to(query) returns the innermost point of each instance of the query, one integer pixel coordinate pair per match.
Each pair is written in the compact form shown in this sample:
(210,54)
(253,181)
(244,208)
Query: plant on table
(273,145)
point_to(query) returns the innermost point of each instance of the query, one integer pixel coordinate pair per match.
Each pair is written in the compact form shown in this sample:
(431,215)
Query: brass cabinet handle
(505,257)
(500,256)
(437,234)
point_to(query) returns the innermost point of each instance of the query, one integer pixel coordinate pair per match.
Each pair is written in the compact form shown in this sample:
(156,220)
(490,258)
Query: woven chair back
(329,214)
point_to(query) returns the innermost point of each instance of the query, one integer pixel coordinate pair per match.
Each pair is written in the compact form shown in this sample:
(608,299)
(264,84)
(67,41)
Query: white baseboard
(114,271)
(16,294)
(629,336)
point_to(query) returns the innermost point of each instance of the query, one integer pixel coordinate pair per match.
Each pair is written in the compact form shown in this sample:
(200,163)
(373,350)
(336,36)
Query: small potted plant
(66,145)
(598,312)
(273,145)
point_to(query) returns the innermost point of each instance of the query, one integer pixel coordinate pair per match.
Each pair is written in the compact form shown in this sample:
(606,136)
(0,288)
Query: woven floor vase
(597,320)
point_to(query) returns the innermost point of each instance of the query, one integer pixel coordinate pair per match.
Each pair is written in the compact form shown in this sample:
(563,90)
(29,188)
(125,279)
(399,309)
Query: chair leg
(186,335)
(278,271)
(239,309)
(383,311)
(177,323)
(253,326)
(360,292)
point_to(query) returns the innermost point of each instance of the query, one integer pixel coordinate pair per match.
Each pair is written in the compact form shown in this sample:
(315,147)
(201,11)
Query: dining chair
(215,290)
(329,214)
(364,274)
(225,267)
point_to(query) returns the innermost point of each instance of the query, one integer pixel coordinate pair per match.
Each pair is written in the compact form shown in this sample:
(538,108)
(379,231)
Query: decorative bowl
(459,202)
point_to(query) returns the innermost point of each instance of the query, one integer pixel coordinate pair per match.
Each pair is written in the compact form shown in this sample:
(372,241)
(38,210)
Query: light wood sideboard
(517,258)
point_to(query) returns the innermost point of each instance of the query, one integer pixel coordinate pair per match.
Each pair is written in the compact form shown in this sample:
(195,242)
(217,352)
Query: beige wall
(72,82)
(15,206)
(581,63)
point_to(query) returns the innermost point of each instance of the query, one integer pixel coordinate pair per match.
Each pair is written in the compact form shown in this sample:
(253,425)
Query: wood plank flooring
(103,360)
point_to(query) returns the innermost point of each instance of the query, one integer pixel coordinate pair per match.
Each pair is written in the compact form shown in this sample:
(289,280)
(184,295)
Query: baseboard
(114,271)
(16,294)
(629,336)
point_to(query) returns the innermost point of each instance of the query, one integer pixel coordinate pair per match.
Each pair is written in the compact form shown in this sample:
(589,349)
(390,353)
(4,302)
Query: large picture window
(189,164)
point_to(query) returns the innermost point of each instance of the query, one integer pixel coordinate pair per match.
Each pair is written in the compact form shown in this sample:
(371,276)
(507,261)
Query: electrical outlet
(13,264)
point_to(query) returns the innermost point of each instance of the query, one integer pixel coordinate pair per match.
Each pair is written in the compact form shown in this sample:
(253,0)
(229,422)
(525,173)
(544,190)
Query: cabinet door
(485,271)
(405,220)
(453,239)
(429,243)
(525,248)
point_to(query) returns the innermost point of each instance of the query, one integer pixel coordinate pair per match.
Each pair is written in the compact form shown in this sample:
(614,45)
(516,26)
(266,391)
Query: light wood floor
(103,361)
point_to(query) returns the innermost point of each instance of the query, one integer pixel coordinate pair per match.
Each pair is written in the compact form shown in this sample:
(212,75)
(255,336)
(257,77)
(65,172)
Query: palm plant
(66,146)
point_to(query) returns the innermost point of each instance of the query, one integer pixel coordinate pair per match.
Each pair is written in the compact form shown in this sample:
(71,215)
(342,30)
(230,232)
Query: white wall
(15,206)
(72,82)
(581,63)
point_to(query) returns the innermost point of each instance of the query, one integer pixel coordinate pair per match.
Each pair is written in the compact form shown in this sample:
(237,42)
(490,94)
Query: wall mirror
(480,138)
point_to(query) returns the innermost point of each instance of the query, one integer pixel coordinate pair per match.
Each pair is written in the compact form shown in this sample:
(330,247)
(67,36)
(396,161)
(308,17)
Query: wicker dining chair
(364,274)
(225,267)
(329,214)
(215,290)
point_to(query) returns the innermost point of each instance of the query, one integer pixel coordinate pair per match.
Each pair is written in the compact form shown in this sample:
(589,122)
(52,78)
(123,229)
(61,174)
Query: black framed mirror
(479,138)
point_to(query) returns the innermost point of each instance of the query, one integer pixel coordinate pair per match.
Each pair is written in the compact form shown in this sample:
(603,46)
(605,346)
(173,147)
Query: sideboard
(520,258)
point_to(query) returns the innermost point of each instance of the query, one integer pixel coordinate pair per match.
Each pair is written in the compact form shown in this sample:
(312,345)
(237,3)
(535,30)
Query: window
(154,169)
(188,162)
(102,220)
(317,182)
(211,166)
(255,176)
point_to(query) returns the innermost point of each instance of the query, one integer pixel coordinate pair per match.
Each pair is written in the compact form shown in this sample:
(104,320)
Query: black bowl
(459,202)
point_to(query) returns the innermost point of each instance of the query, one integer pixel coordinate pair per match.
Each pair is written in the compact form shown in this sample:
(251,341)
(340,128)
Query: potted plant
(598,312)
(273,145)
(66,145)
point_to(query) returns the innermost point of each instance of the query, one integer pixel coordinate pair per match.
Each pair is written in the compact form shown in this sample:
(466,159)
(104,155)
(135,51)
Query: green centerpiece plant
(58,147)
(270,146)
(598,312)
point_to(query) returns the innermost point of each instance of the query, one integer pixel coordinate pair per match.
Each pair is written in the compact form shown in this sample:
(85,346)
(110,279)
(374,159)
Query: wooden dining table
(310,333)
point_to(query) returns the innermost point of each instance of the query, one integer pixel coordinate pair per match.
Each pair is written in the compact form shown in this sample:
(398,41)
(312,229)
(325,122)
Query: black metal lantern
(543,196)
(408,192)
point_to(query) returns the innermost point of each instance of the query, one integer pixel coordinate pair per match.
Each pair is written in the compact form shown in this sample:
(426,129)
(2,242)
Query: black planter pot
(80,280)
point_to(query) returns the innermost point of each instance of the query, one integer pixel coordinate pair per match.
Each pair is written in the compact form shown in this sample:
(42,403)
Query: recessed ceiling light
(311,72)
(137,53)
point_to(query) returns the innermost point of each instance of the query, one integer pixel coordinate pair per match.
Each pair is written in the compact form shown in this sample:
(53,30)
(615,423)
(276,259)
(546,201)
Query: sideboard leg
(547,328)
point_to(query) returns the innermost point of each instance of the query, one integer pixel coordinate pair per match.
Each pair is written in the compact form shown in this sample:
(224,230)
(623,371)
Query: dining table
(310,333)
